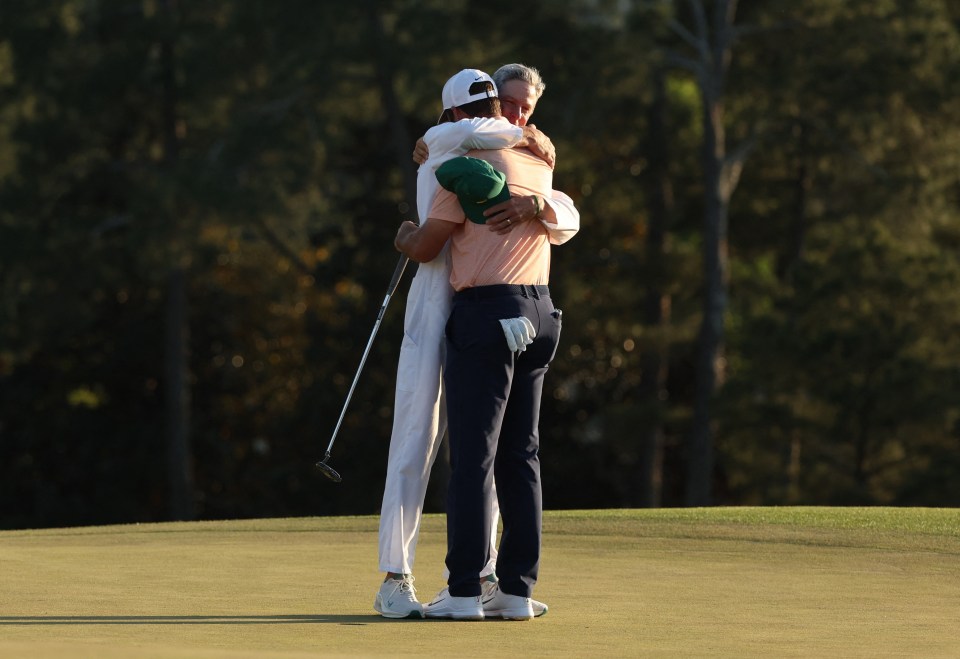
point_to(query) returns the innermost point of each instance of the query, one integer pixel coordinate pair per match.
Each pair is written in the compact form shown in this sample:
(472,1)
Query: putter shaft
(392,286)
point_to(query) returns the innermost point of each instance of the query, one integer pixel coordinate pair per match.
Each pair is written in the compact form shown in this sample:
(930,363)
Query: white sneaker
(445,605)
(397,598)
(490,608)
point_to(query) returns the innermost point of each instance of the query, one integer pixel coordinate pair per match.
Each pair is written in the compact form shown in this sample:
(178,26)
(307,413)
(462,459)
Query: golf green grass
(731,582)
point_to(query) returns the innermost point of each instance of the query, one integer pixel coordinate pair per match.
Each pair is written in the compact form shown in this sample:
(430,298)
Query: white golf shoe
(397,598)
(445,605)
(498,604)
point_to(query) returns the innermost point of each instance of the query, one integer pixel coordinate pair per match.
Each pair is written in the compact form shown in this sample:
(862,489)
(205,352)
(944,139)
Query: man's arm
(461,136)
(484,133)
(557,214)
(423,243)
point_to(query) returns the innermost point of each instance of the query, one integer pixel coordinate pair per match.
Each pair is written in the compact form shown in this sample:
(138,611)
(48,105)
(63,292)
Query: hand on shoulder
(539,144)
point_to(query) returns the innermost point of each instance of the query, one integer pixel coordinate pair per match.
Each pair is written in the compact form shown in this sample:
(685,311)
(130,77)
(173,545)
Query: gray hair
(527,74)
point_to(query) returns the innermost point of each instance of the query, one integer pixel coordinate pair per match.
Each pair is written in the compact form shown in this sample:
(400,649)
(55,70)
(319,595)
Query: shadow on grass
(318,618)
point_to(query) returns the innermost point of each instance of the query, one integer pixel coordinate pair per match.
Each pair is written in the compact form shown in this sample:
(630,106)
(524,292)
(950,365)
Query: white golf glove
(519,332)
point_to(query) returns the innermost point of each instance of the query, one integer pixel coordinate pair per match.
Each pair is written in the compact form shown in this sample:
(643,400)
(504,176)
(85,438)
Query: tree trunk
(176,328)
(656,306)
(720,178)
(177,396)
(796,236)
(708,368)
(789,260)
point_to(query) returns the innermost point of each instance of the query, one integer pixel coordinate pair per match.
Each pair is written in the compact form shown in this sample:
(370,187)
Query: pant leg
(477,375)
(517,463)
(419,418)
(493,513)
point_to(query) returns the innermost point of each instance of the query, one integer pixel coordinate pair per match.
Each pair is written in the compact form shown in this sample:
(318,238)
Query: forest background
(197,209)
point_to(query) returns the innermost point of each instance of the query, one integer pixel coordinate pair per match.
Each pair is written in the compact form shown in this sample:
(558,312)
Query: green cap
(476,183)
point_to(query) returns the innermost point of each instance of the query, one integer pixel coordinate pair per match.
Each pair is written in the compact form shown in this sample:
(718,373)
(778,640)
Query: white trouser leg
(419,419)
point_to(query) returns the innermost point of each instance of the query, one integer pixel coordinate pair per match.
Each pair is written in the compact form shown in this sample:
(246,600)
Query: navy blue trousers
(493,413)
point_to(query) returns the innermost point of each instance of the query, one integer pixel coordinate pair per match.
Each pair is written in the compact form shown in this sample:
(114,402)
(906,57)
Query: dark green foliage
(281,187)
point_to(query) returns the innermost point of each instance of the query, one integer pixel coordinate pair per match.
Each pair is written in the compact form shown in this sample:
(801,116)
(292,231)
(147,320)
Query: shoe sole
(453,617)
(509,615)
(490,613)
(537,613)
(397,616)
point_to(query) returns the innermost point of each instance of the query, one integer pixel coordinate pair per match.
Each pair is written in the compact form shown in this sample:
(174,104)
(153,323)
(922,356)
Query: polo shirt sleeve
(446,207)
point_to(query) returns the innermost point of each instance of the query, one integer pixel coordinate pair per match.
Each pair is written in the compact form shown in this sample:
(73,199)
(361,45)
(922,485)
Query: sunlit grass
(934,521)
(738,582)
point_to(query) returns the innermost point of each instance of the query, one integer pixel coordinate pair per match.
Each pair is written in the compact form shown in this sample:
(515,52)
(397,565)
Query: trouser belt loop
(536,293)
(523,291)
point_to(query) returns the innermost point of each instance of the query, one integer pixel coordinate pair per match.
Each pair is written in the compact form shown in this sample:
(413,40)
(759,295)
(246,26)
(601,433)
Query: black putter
(327,470)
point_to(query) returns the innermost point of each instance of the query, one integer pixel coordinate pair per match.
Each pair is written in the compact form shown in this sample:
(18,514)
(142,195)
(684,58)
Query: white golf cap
(456,91)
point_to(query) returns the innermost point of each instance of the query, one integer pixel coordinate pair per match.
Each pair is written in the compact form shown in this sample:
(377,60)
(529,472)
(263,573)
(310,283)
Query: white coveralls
(419,419)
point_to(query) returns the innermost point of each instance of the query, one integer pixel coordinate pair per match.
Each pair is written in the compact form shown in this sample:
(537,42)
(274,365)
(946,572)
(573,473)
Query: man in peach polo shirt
(471,119)
(502,333)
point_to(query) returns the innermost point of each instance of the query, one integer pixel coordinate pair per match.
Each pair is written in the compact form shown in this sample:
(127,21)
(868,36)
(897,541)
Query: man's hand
(508,214)
(539,143)
(403,236)
(421,152)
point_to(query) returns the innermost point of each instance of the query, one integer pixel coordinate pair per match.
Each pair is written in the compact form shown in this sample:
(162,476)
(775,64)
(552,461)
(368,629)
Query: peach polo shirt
(481,257)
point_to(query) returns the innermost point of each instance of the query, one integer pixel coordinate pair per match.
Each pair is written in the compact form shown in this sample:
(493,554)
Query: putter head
(329,471)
